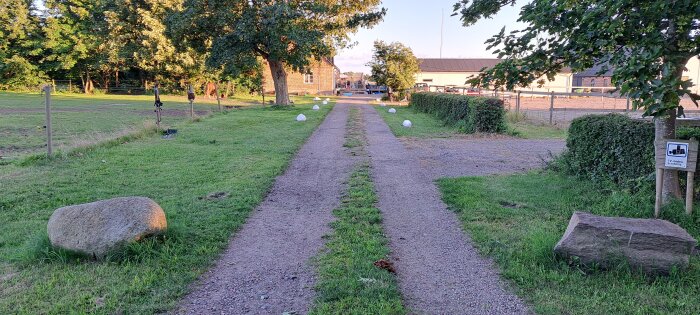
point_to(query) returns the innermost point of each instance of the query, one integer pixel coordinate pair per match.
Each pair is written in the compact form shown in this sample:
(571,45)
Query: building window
(309,78)
(427,80)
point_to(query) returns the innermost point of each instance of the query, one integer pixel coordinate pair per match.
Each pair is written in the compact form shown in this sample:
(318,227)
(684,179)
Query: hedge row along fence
(614,148)
(470,114)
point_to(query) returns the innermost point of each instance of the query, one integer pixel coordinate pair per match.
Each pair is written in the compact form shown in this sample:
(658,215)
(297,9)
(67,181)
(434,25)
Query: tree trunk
(665,128)
(105,81)
(279,78)
(88,83)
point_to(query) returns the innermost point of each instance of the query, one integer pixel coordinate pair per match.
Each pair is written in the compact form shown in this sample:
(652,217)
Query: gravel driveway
(438,269)
(478,157)
(266,269)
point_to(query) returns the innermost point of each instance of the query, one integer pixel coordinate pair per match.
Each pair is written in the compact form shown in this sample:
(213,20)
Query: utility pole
(442,29)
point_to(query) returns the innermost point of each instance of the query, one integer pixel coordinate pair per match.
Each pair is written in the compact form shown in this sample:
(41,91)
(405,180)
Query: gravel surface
(476,157)
(439,270)
(266,268)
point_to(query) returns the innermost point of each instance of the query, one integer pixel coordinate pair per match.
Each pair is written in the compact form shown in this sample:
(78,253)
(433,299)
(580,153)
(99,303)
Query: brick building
(319,80)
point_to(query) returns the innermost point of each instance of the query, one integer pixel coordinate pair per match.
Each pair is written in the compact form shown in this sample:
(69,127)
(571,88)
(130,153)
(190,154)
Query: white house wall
(444,78)
(693,73)
(561,83)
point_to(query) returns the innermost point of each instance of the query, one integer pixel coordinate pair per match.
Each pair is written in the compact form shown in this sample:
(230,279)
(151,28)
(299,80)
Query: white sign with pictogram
(676,155)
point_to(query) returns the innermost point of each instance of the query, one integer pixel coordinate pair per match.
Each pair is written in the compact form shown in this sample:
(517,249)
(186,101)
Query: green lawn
(239,152)
(80,120)
(427,126)
(348,281)
(518,219)
(534,130)
(424,125)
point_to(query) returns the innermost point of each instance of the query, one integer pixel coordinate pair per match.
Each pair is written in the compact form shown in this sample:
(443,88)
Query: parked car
(421,87)
(376,89)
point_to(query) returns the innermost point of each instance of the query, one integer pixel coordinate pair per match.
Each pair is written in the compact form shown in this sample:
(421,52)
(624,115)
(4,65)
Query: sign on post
(679,155)
(676,155)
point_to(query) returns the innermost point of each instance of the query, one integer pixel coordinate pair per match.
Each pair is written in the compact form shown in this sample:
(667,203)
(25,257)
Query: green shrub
(470,114)
(614,148)
(610,148)
(489,115)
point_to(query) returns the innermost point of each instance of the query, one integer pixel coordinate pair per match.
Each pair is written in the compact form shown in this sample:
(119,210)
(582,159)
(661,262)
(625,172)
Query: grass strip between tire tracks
(349,282)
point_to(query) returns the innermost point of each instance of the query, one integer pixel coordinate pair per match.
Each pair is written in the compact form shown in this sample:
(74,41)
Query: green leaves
(646,44)
(20,44)
(236,32)
(610,148)
(393,65)
(470,114)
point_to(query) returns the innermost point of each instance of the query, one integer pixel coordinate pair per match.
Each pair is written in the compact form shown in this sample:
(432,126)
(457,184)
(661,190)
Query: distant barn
(319,79)
(444,74)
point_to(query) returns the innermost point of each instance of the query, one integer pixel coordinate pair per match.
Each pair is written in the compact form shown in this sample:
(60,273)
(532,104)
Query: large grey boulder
(98,227)
(654,246)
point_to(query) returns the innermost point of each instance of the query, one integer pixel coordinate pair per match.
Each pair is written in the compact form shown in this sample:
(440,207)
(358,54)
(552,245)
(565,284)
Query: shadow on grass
(40,250)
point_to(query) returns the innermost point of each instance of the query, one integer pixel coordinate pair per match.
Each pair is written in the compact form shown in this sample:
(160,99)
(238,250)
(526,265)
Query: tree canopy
(239,35)
(393,65)
(646,44)
(20,45)
(104,39)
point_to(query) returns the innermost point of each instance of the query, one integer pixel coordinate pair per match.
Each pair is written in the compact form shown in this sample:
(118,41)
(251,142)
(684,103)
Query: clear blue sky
(416,23)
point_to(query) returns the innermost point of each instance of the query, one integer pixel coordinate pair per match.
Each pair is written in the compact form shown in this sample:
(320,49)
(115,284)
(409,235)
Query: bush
(19,73)
(610,148)
(470,114)
(614,148)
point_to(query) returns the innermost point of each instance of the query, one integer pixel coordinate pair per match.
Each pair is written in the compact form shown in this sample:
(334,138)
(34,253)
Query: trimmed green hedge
(470,114)
(614,148)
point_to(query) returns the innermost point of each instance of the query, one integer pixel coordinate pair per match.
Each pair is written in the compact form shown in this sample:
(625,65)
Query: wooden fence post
(659,188)
(690,193)
(190,97)
(49,145)
(218,97)
(517,105)
(551,107)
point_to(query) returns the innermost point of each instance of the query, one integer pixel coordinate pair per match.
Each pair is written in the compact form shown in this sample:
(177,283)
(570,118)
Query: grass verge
(427,126)
(79,120)
(424,125)
(518,219)
(520,126)
(238,152)
(349,282)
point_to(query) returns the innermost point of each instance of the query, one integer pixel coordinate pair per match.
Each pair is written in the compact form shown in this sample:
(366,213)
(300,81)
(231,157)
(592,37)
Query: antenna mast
(442,28)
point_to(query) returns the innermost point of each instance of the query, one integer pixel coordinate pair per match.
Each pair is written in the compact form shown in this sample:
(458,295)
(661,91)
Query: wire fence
(560,108)
(559,105)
